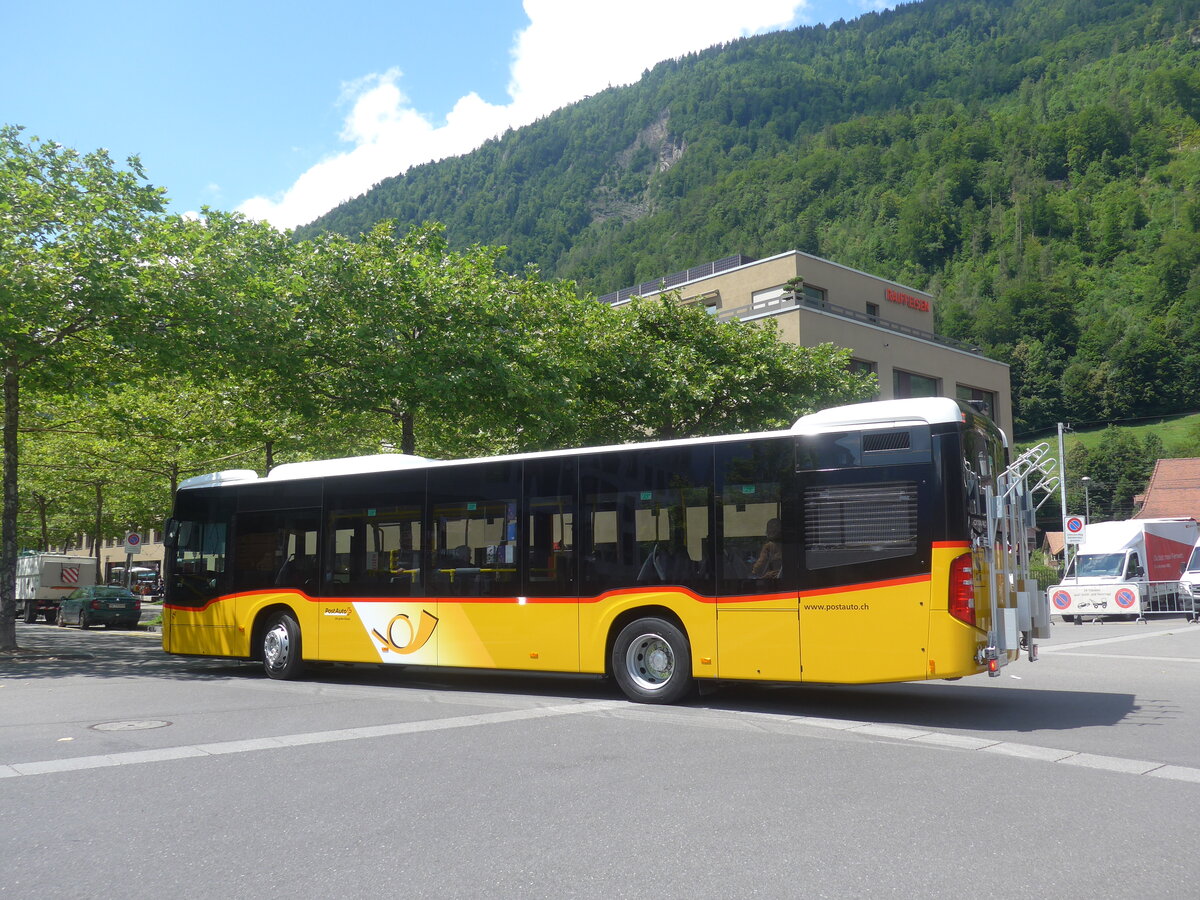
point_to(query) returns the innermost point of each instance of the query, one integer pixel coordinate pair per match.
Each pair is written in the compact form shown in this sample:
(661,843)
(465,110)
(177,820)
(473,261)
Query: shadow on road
(975,706)
(972,704)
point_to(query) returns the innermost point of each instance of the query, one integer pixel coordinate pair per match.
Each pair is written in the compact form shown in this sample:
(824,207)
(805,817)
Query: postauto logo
(1125,598)
(1061,599)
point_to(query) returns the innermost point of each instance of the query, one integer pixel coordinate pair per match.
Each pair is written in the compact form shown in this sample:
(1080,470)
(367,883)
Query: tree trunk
(8,518)
(42,503)
(270,460)
(408,437)
(99,527)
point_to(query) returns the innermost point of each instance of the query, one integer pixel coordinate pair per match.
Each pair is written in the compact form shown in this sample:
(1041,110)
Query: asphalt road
(128,773)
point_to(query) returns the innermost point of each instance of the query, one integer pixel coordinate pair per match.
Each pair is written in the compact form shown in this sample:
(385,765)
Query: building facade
(888,327)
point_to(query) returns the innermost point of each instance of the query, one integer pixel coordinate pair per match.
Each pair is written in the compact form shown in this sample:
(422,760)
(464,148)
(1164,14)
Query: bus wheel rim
(276,646)
(650,662)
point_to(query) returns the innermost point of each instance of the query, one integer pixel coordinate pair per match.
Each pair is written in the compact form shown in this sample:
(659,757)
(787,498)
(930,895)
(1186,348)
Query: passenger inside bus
(769,564)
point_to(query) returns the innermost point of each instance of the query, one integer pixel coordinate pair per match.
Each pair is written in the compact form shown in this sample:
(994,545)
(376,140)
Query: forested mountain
(1034,163)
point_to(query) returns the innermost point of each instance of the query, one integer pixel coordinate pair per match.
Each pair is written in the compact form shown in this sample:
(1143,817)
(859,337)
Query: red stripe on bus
(868,586)
(514,600)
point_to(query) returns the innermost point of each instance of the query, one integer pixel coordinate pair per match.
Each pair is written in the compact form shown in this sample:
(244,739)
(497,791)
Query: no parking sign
(133,542)
(1074,528)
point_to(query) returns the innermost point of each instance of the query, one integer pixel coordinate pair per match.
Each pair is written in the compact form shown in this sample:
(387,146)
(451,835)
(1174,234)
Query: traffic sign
(133,542)
(1074,528)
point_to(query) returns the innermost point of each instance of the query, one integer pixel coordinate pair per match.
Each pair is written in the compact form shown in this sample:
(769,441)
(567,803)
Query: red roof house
(1173,491)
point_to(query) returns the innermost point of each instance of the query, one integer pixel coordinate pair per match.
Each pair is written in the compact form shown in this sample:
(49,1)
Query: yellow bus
(868,543)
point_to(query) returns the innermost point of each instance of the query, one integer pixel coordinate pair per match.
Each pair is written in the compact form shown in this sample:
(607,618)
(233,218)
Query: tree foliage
(72,251)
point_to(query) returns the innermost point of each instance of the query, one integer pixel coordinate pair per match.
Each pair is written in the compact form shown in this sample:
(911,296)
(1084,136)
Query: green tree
(71,255)
(1119,467)
(663,369)
(402,329)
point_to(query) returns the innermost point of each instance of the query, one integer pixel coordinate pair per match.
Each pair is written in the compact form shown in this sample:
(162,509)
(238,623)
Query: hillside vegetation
(1034,163)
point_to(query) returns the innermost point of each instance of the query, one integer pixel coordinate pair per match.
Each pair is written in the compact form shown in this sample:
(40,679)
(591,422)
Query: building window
(910,384)
(710,300)
(771,298)
(984,401)
(864,367)
(873,312)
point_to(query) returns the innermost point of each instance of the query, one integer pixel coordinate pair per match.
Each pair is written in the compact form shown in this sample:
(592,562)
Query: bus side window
(756,552)
(474,530)
(648,520)
(550,507)
(275,548)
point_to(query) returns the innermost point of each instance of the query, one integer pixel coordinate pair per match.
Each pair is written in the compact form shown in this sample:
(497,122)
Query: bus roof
(881,413)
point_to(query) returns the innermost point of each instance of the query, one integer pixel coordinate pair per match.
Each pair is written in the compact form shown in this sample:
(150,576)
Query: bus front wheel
(652,661)
(281,647)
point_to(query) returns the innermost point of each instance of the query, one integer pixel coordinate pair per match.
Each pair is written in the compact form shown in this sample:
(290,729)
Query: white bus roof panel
(881,413)
(927,410)
(351,465)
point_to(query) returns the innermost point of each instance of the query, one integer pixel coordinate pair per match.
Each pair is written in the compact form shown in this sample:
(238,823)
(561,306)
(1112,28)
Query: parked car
(100,605)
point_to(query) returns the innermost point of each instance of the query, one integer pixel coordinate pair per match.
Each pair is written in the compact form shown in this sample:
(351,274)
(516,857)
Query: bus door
(758,633)
(867,544)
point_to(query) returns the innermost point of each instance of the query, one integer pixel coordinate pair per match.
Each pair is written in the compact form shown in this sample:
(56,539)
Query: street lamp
(1087,506)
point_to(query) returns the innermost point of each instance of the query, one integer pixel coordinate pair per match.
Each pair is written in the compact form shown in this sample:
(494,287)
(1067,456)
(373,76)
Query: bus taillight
(962,590)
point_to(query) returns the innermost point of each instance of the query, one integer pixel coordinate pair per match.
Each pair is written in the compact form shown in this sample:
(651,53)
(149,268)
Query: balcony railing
(789,301)
(646,288)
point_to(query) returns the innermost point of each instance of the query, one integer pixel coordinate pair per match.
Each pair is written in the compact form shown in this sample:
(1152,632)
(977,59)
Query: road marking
(220,748)
(884,730)
(1075,645)
(1183,659)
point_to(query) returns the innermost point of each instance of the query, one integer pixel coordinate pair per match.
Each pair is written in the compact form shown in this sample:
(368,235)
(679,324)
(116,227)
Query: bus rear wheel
(652,662)
(281,647)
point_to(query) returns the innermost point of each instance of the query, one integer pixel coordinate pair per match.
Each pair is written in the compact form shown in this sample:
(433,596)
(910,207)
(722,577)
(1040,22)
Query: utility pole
(1062,489)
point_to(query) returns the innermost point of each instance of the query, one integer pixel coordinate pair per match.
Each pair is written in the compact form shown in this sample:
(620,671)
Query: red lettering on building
(918,303)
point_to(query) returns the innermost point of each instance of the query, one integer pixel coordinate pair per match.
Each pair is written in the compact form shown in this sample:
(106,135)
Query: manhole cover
(131,725)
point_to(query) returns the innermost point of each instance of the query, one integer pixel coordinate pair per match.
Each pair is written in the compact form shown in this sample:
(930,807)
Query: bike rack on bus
(1012,507)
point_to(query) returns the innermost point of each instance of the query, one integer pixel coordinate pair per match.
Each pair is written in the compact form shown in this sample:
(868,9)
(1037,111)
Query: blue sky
(282,110)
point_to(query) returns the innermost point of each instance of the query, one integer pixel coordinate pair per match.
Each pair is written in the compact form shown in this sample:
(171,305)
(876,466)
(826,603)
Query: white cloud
(568,51)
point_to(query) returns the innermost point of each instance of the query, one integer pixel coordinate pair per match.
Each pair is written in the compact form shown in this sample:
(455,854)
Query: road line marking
(1183,659)
(1111,763)
(1179,773)
(1029,751)
(219,748)
(874,729)
(1075,645)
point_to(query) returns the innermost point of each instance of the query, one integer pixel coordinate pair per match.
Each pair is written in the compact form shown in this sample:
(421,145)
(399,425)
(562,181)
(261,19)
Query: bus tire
(281,647)
(652,662)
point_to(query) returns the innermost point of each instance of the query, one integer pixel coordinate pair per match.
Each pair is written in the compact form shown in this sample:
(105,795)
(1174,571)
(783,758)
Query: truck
(43,579)
(1189,581)
(1129,568)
